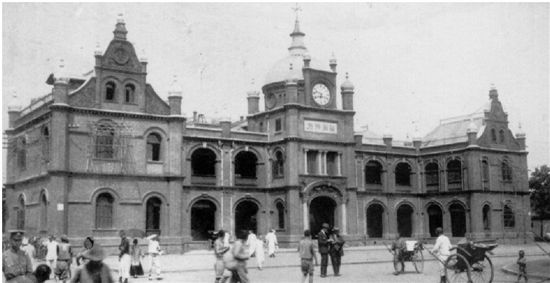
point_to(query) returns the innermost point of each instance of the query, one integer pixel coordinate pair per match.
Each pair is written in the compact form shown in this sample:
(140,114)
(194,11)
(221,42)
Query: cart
(470,263)
(411,253)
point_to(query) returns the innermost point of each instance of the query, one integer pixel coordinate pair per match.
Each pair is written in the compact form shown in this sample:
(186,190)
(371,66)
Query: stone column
(306,214)
(344,218)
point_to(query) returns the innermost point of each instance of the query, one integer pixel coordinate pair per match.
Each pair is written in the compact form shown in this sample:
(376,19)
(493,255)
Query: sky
(411,64)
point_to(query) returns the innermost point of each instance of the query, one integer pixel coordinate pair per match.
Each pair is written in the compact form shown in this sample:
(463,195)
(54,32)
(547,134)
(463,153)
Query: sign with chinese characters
(320,127)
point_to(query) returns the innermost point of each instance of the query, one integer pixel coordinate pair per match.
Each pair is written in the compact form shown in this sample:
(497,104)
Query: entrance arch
(435,218)
(404,220)
(203,219)
(321,210)
(458,220)
(375,222)
(246,216)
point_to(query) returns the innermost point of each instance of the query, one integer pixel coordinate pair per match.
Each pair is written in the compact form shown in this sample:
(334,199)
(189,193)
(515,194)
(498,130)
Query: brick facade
(90,160)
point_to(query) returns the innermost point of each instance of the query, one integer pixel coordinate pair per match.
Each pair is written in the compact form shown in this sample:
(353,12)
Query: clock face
(270,100)
(121,56)
(321,94)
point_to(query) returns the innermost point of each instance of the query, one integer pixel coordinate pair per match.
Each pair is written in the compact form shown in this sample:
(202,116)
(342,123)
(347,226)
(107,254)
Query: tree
(539,186)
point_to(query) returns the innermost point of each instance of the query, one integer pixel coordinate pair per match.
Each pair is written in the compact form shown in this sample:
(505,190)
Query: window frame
(102,220)
(107,87)
(105,147)
(401,176)
(376,166)
(153,147)
(129,98)
(508,217)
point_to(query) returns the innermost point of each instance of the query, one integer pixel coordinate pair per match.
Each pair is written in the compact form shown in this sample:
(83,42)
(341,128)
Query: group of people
(231,260)
(330,243)
(18,260)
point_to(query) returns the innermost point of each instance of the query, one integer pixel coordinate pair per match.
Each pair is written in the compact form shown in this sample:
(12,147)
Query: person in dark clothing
(94,271)
(336,250)
(125,260)
(323,241)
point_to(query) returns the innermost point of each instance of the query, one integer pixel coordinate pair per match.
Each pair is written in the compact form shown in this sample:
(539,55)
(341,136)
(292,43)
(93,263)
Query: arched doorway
(375,224)
(435,218)
(404,220)
(152,215)
(458,220)
(203,219)
(321,210)
(246,216)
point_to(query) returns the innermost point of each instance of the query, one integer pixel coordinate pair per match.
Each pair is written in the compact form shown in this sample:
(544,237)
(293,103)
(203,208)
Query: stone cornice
(432,194)
(288,106)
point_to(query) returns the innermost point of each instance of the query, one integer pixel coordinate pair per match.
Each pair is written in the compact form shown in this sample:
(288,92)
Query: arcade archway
(375,222)
(321,210)
(458,220)
(203,219)
(404,220)
(246,216)
(435,218)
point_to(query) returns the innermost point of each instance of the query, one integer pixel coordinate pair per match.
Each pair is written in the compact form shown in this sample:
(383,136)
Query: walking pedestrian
(87,244)
(442,249)
(260,252)
(226,239)
(28,249)
(323,242)
(522,266)
(219,250)
(241,255)
(336,250)
(251,243)
(16,264)
(51,252)
(94,270)
(154,256)
(135,266)
(272,244)
(64,259)
(306,249)
(124,258)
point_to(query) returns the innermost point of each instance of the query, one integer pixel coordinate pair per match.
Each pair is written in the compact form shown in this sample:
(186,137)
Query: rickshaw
(411,253)
(470,263)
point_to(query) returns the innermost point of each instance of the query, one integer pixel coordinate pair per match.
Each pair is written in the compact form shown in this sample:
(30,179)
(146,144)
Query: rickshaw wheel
(482,271)
(457,269)
(418,261)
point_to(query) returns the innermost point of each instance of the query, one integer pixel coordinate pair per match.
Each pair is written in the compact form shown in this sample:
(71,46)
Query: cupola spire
(297,46)
(120,29)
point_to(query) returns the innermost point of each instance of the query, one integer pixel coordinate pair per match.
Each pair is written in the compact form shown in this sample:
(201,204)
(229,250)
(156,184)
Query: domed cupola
(280,71)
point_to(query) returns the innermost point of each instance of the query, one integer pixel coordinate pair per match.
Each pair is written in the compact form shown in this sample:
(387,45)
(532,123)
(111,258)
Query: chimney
(358,138)
(387,141)
(225,124)
(253,102)
(175,105)
(13,114)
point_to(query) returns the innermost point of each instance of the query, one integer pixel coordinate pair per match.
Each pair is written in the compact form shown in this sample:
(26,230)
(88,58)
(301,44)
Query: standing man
(306,249)
(336,250)
(124,258)
(219,250)
(272,243)
(51,253)
(154,253)
(16,264)
(323,241)
(251,243)
(398,247)
(241,255)
(442,249)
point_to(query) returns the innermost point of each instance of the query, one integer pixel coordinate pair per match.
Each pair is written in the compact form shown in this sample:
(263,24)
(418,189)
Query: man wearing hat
(323,241)
(336,250)
(16,264)
(94,270)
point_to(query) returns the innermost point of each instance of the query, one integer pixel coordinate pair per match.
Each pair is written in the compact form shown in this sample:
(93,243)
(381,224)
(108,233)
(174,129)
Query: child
(522,263)
(306,249)
(135,266)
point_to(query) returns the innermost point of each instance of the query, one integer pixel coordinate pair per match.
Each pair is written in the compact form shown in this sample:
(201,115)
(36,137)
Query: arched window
(104,211)
(485,170)
(494,135)
(245,165)
(43,213)
(203,220)
(104,147)
(506,171)
(501,136)
(152,215)
(403,174)
(278,165)
(153,147)
(454,172)
(110,88)
(129,90)
(486,217)
(458,220)
(20,214)
(46,143)
(405,220)
(373,172)
(203,162)
(432,174)
(509,217)
(375,220)
(22,154)
(280,215)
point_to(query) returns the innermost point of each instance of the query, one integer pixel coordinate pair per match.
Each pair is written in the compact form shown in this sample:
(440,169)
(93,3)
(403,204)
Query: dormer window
(501,136)
(129,91)
(110,91)
(494,135)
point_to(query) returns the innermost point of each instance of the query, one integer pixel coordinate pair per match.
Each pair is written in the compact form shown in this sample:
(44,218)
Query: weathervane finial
(296,9)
